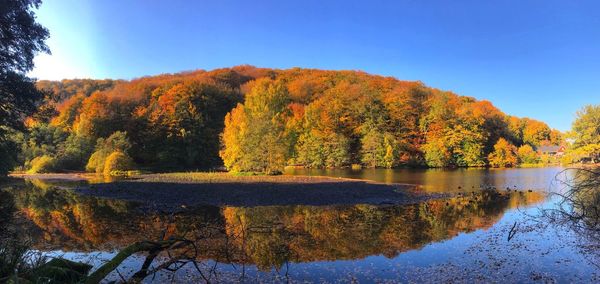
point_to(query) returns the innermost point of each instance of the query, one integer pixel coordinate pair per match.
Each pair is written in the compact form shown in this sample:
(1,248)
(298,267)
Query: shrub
(42,164)
(117,142)
(96,162)
(126,173)
(116,163)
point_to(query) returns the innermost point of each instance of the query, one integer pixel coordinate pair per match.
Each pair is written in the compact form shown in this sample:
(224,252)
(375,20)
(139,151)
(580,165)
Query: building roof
(546,149)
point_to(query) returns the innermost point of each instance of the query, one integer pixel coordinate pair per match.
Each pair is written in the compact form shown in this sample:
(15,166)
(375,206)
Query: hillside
(326,119)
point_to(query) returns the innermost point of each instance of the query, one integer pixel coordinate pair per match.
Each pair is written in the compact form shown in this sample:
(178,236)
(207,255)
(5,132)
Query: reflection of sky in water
(476,252)
(449,179)
(483,255)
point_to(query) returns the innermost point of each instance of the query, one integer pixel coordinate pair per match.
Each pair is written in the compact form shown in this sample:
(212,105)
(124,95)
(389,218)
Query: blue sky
(539,59)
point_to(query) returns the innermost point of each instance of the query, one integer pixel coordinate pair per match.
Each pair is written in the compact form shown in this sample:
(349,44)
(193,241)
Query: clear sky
(539,59)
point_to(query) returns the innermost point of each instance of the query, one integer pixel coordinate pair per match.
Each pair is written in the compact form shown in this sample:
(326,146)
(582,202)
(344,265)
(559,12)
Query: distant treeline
(258,119)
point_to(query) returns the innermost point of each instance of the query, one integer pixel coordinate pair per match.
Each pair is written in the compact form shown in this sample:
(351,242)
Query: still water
(462,238)
(449,180)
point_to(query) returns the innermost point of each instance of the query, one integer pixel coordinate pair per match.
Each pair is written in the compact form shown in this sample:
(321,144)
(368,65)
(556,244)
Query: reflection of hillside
(307,233)
(69,221)
(267,236)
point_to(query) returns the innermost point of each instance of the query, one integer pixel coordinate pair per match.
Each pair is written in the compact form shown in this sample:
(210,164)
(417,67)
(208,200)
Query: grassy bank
(224,177)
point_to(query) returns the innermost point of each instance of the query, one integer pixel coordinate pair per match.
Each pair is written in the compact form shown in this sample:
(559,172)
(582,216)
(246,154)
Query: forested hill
(308,117)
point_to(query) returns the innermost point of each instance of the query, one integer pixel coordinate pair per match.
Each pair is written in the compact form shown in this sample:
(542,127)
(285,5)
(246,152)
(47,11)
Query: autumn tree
(305,117)
(535,132)
(405,105)
(183,124)
(527,155)
(254,138)
(333,125)
(68,88)
(504,155)
(556,137)
(68,112)
(379,150)
(454,136)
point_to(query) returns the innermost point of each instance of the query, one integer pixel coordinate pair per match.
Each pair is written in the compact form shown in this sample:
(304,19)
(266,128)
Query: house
(552,150)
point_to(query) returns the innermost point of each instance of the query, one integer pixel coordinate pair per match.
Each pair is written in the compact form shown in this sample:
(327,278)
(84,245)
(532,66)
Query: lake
(460,238)
(449,180)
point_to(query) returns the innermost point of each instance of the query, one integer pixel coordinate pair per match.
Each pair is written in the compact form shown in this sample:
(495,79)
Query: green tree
(379,150)
(585,132)
(41,139)
(467,143)
(586,127)
(437,152)
(255,138)
(504,155)
(21,39)
(74,152)
(317,149)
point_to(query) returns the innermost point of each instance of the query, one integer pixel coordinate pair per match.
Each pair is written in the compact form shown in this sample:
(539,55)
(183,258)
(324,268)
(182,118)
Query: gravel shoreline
(255,191)
(171,191)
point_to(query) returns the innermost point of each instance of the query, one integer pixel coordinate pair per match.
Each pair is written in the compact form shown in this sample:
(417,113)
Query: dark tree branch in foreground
(577,208)
(579,202)
(153,248)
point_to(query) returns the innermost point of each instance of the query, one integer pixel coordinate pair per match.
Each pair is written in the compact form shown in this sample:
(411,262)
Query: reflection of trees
(311,233)
(267,236)
(66,220)
(11,249)
(579,205)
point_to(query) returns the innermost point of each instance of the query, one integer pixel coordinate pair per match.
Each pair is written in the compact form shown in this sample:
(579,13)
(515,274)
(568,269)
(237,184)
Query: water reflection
(267,236)
(448,180)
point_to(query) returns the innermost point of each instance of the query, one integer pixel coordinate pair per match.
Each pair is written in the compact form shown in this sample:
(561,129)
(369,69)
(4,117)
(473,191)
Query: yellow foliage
(117,161)
(42,164)
(96,162)
(504,155)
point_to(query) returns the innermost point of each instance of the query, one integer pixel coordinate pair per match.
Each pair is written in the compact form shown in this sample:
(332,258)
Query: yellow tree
(255,138)
(527,155)
(504,155)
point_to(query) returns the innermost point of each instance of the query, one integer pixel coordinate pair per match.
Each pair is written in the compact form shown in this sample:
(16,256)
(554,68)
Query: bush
(96,162)
(131,173)
(117,142)
(116,163)
(42,164)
